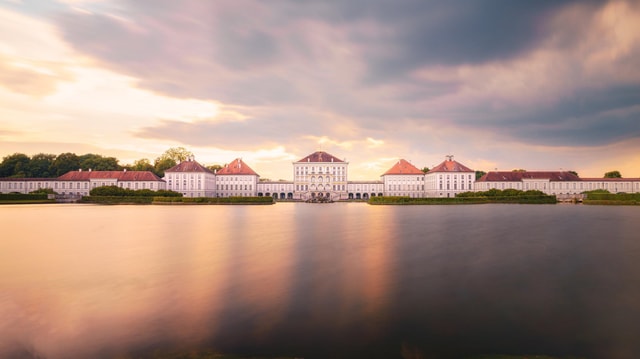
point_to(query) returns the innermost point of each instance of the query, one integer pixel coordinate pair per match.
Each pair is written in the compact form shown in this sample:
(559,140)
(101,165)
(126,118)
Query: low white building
(80,182)
(554,182)
(404,179)
(191,179)
(365,189)
(26,185)
(276,189)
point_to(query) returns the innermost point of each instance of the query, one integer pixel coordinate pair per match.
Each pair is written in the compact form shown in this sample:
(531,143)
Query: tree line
(46,165)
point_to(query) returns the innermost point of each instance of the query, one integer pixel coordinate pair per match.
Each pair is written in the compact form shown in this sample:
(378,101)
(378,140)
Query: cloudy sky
(498,83)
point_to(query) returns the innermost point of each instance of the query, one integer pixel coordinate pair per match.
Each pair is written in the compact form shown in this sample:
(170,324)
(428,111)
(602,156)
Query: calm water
(320,281)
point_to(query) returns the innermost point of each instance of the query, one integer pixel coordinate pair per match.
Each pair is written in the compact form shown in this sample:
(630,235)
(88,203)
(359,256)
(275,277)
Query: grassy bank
(462,200)
(200,355)
(214,200)
(176,200)
(21,198)
(613,199)
(214,355)
(116,200)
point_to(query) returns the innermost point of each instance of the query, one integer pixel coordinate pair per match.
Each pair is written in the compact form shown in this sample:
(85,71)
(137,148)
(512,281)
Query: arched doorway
(365,196)
(260,194)
(282,195)
(289,195)
(358,196)
(350,195)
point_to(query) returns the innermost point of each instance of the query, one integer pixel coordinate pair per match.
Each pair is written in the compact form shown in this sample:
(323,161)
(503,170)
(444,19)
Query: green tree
(519,170)
(177,154)
(41,164)
(170,158)
(142,165)
(574,172)
(214,168)
(425,169)
(64,163)
(15,165)
(109,191)
(480,174)
(162,164)
(98,162)
(613,174)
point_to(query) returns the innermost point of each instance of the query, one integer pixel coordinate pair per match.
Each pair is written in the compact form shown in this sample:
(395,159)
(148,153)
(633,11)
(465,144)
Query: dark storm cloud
(307,67)
(588,118)
(445,32)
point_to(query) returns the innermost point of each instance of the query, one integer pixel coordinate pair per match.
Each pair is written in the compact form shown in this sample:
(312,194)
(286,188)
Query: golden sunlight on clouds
(374,143)
(66,99)
(107,92)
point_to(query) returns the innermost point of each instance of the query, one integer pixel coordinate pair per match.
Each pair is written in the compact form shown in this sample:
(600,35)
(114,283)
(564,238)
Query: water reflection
(315,281)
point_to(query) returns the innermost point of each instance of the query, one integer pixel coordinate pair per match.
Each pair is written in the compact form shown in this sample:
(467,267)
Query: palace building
(191,179)
(449,178)
(554,182)
(322,175)
(236,179)
(79,183)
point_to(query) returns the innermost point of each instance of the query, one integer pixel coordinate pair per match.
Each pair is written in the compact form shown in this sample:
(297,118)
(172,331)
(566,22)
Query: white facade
(80,183)
(236,179)
(236,185)
(555,183)
(449,179)
(365,189)
(404,185)
(320,175)
(26,185)
(277,189)
(191,179)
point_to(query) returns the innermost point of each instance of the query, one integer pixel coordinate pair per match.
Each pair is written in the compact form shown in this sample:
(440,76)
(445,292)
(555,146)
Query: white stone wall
(81,188)
(563,187)
(25,185)
(449,184)
(365,189)
(277,190)
(236,185)
(191,184)
(409,185)
(320,177)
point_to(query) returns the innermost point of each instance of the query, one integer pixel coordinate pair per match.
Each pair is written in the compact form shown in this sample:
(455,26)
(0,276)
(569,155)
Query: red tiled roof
(119,175)
(320,156)
(403,167)
(236,167)
(451,166)
(189,166)
(514,176)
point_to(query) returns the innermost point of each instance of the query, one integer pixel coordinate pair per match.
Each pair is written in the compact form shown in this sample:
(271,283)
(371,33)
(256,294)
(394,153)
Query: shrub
(125,192)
